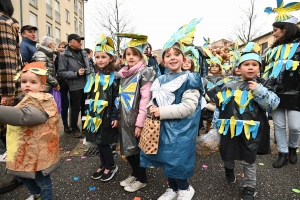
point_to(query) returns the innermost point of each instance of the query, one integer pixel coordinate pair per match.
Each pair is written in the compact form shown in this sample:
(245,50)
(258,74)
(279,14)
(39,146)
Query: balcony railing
(80,13)
(49,10)
(57,16)
(75,9)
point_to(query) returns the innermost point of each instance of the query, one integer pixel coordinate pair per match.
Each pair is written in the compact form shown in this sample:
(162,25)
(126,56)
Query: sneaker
(109,173)
(97,175)
(230,175)
(170,194)
(136,185)
(34,197)
(128,181)
(76,134)
(249,193)
(186,194)
(67,130)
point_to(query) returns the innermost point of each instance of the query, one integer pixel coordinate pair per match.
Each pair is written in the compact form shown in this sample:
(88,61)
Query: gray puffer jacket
(46,55)
(68,68)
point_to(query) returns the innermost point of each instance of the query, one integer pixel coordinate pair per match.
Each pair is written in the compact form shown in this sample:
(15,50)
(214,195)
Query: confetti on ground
(204,166)
(92,188)
(83,157)
(296,191)
(243,175)
(69,159)
(76,178)
(261,164)
(75,153)
(61,149)
(68,152)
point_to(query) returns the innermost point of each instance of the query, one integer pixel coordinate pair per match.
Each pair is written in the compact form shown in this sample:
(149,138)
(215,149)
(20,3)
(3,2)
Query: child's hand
(154,110)
(114,124)
(252,85)
(138,131)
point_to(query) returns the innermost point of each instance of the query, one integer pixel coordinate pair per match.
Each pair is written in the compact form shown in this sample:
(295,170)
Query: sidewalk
(209,183)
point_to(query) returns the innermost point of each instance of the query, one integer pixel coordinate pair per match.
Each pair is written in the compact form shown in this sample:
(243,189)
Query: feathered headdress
(283,11)
(250,52)
(105,44)
(184,35)
(207,42)
(137,41)
(235,55)
(193,54)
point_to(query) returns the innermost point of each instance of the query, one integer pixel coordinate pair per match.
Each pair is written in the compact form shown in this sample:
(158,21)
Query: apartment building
(54,18)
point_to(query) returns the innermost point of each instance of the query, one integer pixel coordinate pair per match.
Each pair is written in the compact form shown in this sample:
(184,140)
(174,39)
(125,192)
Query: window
(67,37)
(33,2)
(57,13)
(33,19)
(80,9)
(80,29)
(75,26)
(57,35)
(48,2)
(48,8)
(49,29)
(264,46)
(75,7)
(67,16)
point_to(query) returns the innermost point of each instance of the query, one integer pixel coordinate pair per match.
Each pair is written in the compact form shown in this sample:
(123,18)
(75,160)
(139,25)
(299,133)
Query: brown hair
(110,67)
(135,51)
(63,43)
(169,49)
(192,69)
(220,73)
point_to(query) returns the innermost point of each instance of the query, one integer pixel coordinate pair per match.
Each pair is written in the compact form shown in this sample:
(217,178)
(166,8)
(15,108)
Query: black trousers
(77,103)
(106,156)
(137,171)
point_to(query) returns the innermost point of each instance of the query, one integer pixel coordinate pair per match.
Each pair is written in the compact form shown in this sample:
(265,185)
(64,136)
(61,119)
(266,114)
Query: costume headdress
(37,68)
(214,60)
(283,11)
(184,35)
(250,52)
(235,55)
(207,42)
(105,44)
(193,54)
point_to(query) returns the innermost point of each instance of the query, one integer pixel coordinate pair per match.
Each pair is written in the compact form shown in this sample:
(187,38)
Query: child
(188,65)
(242,106)
(32,134)
(135,83)
(175,101)
(101,114)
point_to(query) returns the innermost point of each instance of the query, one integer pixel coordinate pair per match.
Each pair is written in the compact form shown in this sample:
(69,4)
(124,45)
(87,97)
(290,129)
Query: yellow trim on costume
(13,137)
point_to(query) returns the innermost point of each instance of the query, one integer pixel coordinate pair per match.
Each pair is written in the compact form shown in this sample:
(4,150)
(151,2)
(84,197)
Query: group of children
(118,103)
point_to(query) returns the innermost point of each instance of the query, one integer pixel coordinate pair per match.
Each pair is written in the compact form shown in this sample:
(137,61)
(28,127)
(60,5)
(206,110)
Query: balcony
(57,16)
(49,10)
(80,13)
(75,9)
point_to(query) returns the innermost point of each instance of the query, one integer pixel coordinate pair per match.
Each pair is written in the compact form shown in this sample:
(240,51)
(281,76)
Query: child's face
(214,69)
(187,64)
(31,82)
(249,69)
(131,58)
(173,60)
(237,71)
(102,59)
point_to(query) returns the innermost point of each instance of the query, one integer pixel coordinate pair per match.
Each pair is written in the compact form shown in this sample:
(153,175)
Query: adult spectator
(28,44)
(151,60)
(9,67)
(45,53)
(90,55)
(74,66)
(64,90)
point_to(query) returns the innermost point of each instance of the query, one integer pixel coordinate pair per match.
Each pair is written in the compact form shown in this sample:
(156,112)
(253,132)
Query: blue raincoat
(177,142)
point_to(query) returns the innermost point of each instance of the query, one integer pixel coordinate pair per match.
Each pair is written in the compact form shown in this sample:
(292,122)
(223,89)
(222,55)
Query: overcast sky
(159,19)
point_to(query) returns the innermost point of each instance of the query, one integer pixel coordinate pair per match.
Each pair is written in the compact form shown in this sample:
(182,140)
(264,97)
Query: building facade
(54,18)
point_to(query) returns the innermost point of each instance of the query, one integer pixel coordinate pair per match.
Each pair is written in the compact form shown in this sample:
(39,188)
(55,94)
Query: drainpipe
(21,12)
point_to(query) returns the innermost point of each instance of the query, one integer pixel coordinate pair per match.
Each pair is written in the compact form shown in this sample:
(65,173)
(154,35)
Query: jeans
(64,106)
(178,184)
(106,156)
(40,185)
(249,169)
(279,120)
(137,171)
(77,101)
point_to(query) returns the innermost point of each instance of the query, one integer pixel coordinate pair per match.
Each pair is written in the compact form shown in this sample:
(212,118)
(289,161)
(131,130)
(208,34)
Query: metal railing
(49,10)
(57,16)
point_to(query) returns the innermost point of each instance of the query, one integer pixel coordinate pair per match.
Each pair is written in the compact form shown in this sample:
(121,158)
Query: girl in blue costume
(176,101)
(101,115)
(241,119)
(281,62)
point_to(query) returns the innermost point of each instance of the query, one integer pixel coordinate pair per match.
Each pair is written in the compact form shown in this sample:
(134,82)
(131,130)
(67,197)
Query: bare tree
(112,19)
(248,29)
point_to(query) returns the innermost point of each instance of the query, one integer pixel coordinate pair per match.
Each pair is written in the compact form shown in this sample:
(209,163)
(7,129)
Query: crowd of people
(235,91)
